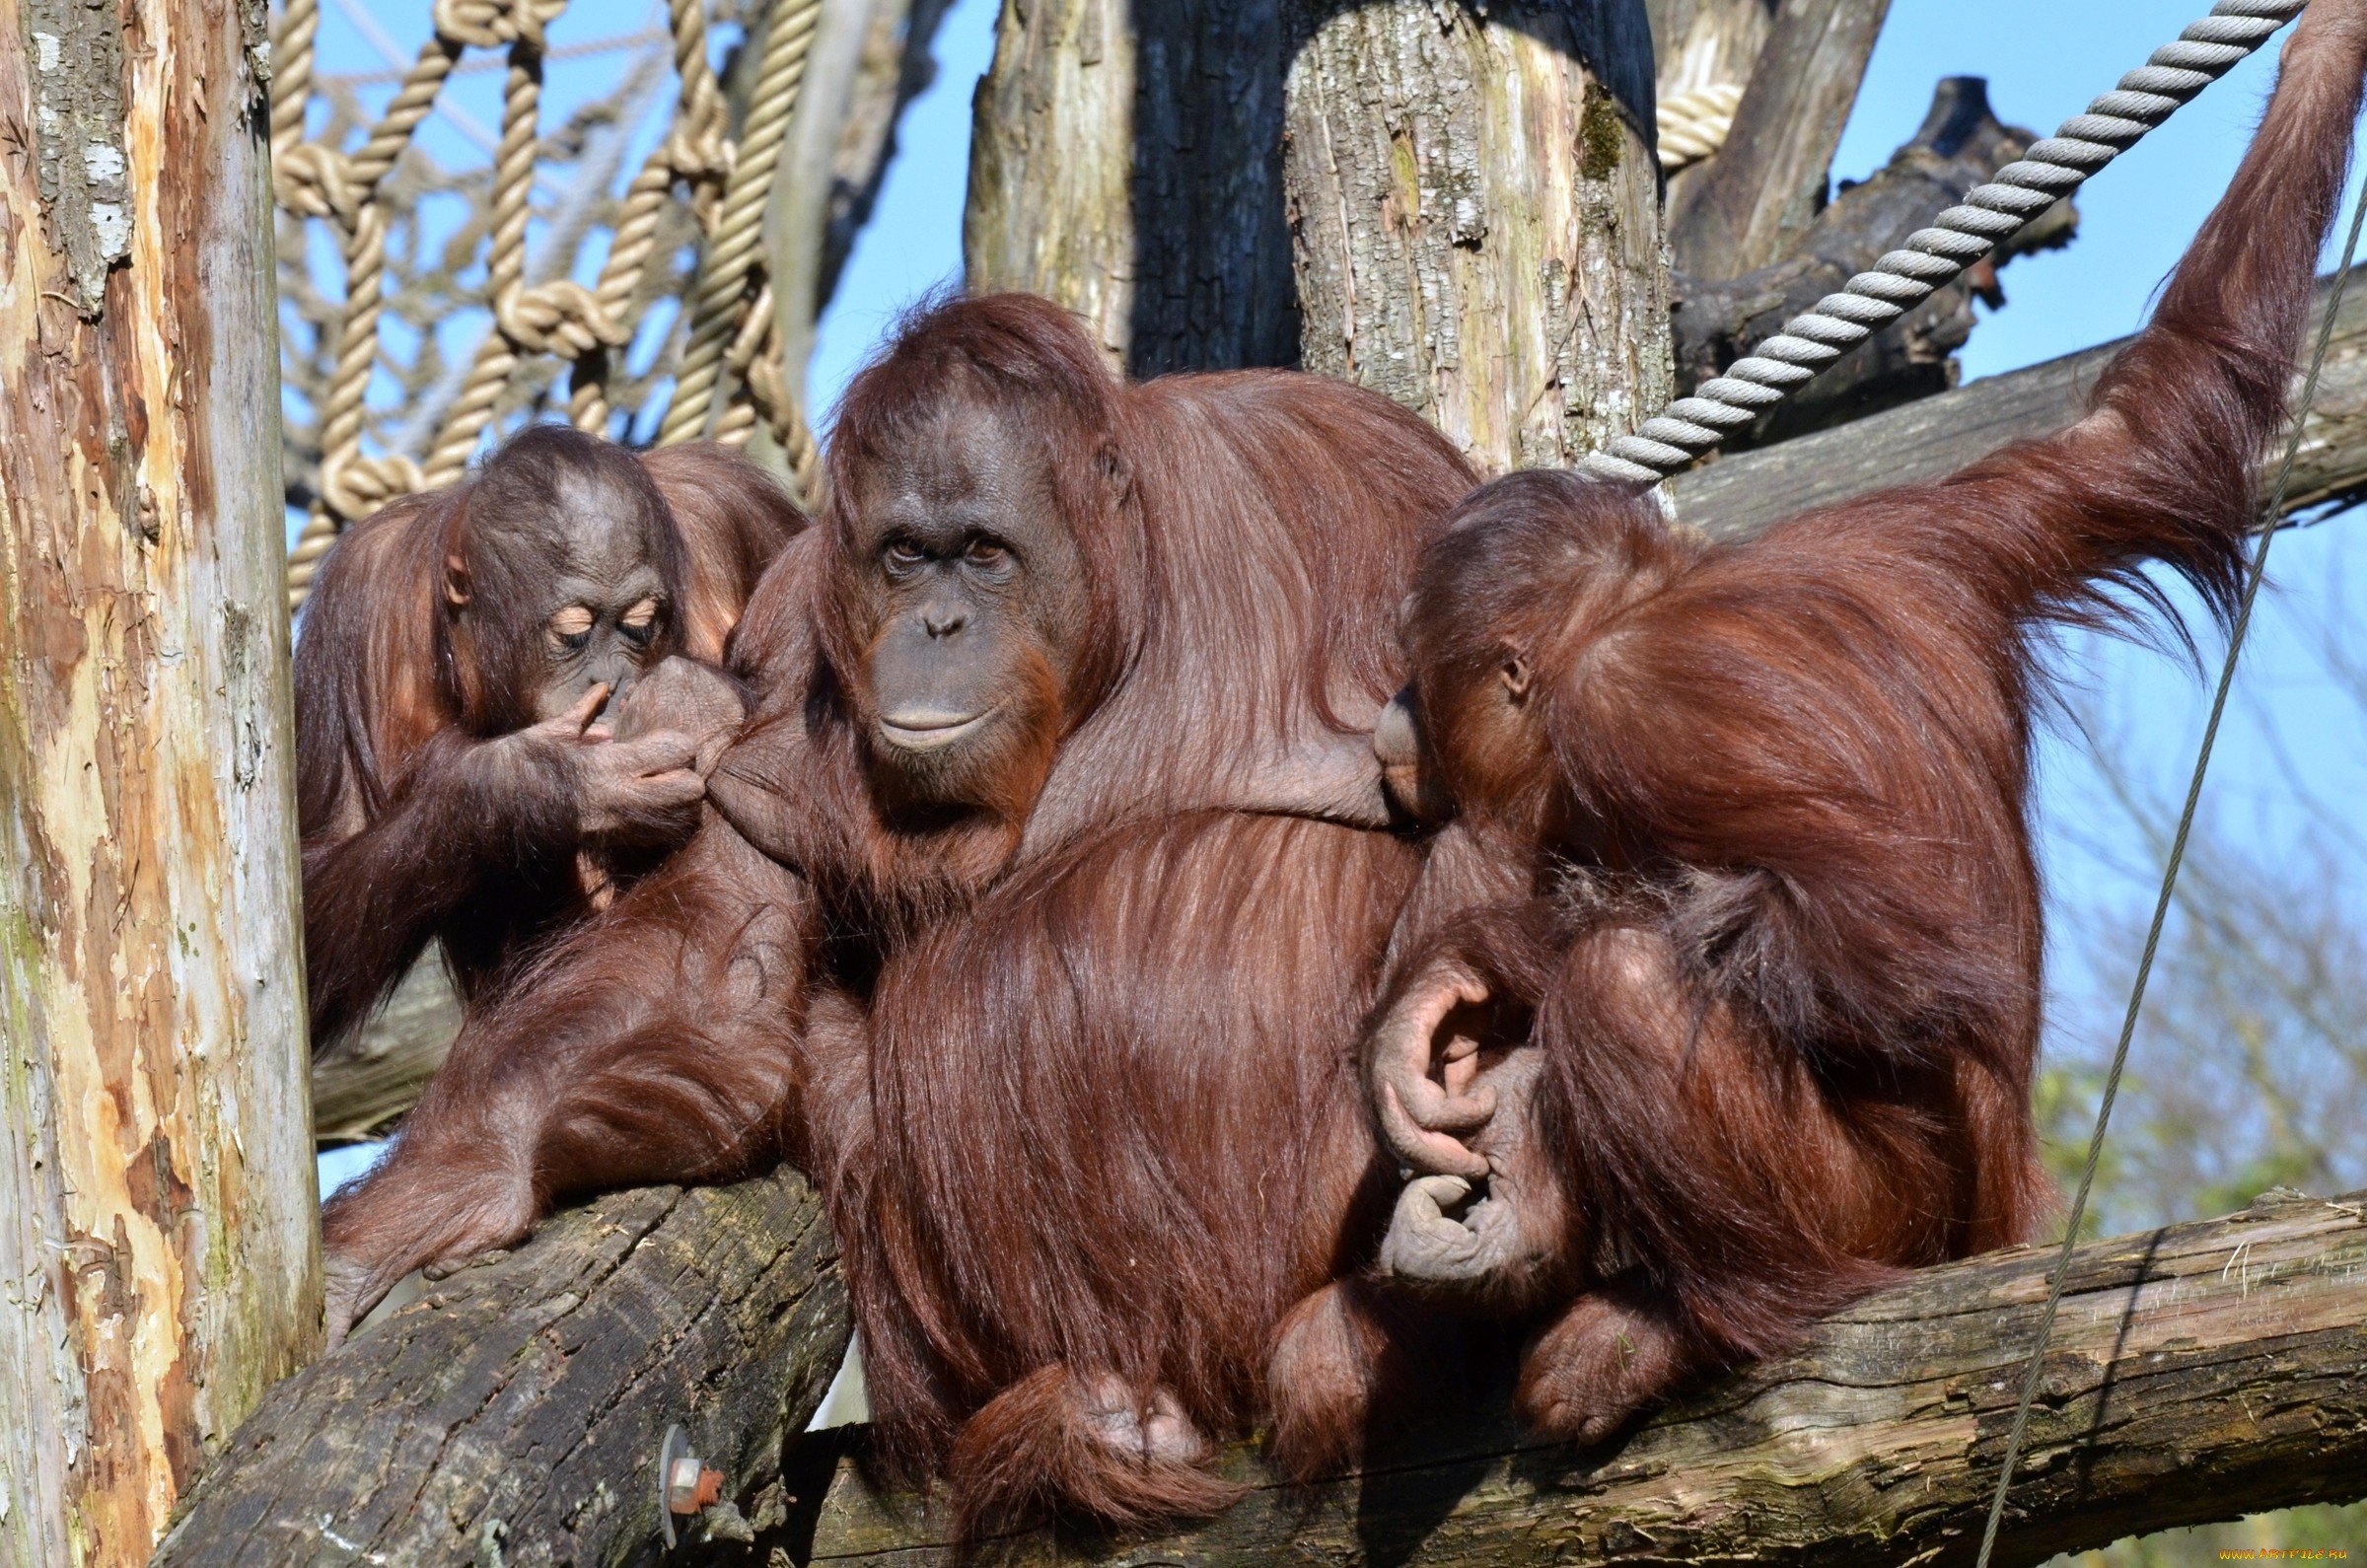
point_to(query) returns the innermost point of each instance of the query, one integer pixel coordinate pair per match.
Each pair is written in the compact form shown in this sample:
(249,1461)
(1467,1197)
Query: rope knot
(354,486)
(493,23)
(698,152)
(315,181)
(561,317)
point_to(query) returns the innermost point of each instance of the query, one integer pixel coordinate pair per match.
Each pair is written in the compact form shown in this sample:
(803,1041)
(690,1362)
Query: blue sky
(2291,735)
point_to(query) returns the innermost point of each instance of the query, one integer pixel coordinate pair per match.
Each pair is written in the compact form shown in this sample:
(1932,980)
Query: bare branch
(1761,193)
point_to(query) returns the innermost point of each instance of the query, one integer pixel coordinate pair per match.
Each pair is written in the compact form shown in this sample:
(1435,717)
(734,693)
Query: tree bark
(513,1413)
(1475,216)
(158,1249)
(1754,200)
(1960,145)
(1702,44)
(2195,1372)
(1743,493)
(1125,160)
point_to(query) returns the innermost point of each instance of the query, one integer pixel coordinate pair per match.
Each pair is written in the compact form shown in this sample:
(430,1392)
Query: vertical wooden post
(159,1266)
(1474,206)
(1126,159)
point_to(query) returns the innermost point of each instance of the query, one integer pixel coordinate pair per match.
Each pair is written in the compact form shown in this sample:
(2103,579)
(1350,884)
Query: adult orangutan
(1059,786)
(1741,863)
(503,693)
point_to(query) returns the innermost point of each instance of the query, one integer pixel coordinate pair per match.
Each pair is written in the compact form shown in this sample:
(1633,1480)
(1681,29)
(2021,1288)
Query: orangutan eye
(903,556)
(988,555)
(640,622)
(571,627)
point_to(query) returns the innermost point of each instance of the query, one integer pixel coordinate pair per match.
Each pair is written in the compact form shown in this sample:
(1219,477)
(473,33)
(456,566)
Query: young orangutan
(1742,861)
(505,698)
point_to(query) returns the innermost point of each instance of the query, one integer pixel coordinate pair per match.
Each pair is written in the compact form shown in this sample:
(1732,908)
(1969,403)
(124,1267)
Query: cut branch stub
(1960,145)
(2198,1373)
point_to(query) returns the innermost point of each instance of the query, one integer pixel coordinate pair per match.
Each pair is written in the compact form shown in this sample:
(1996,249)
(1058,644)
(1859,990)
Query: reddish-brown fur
(1106,1125)
(1762,812)
(1074,1059)
(397,687)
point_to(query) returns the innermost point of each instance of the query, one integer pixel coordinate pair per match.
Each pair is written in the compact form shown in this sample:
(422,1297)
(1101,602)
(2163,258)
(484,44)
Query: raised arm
(2164,465)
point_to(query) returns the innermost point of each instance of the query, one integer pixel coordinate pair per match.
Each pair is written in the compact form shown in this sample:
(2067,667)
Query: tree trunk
(870,58)
(2197,1372)
(157,1237)
(1475,213)
(1759,196)
(1704,46)
(514,1413)
(1127,161)
(1929,440)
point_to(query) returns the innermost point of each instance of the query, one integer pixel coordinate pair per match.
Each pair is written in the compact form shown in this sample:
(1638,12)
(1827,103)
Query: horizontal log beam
(1931,438)
(513,1413)
(364,1083)
(2197,1372)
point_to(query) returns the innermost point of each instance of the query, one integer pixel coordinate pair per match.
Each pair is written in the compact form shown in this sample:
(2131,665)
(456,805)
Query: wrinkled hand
(686,697)
(644,789)
(1421,1087)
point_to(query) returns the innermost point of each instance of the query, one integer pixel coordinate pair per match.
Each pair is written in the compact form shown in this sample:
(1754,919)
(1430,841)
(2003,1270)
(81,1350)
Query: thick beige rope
(732,366)
(1694,126)
(730,274)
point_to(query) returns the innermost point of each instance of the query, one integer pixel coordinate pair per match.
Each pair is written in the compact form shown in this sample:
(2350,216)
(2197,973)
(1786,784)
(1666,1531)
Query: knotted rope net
(688,226)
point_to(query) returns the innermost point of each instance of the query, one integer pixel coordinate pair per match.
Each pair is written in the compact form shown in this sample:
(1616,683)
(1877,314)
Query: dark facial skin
(976,596)
(605,602)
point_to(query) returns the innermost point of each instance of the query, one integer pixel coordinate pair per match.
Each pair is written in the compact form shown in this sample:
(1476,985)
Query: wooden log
(1127,161)
(1700,45)
(512,1413)
(1960,144)
(870,59)
(158,1252)
(365,1082)
(2197,1372)
(1475,216)
(1764,189)
(1931,438)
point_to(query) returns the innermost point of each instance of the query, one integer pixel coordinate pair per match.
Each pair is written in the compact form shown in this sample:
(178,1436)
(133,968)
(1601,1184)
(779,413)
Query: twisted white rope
(1933,258)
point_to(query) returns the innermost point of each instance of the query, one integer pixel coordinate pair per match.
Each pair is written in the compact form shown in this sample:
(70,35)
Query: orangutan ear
(1117,476)
(456,581)
(1515,674)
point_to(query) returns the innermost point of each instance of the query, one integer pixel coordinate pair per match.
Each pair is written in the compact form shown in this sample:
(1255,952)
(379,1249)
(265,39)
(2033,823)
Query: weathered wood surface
(1928,440)
(364,1081)
(1959,145)
(870,58)
(1759,196)
(1698,42)
(1703,44)
(157,1263)
(1126,161)
(513,1413)
(2197,1372)
(1476,220)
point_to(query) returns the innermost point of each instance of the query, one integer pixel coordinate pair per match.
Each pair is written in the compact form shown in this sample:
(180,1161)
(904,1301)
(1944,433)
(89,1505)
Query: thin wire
(2178,855)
